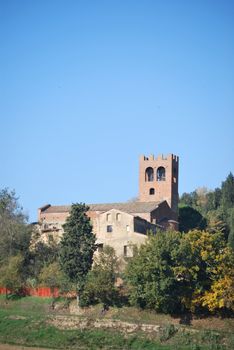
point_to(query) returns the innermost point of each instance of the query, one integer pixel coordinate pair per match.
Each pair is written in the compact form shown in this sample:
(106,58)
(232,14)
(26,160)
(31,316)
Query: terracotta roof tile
(128,207)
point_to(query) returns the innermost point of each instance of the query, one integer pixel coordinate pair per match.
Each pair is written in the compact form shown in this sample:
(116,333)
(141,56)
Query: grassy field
(27,321)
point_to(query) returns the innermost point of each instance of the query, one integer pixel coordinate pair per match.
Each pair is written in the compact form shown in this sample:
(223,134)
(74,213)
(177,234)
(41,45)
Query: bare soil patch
(214,323)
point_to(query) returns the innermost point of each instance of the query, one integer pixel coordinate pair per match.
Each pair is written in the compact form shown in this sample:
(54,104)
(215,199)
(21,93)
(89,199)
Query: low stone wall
(63,322)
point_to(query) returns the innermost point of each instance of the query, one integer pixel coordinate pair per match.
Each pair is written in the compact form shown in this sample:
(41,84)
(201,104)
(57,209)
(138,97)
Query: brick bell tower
(158,179)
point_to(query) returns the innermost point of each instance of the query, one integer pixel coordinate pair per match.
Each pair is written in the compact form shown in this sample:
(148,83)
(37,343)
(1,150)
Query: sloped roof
(128,207)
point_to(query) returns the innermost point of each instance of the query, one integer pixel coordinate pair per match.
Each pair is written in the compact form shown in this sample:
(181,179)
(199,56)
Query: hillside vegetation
(209,210)
(188,275)
(31,321)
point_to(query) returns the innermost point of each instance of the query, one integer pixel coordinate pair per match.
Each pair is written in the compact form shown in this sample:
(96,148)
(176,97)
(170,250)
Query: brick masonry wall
(60,218)
(164,190)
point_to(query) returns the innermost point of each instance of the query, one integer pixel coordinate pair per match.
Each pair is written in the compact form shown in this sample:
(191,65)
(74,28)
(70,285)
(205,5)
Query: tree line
(173,272)
(209,210)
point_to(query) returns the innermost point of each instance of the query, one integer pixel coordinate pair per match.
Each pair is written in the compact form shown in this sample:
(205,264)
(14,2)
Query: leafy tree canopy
(214,206)
(51,276)
(100,284)
(153,283)
(231,225)
(15,234)
(41,255)
(212,270)
(190,218)
(11,276)
(228,192)
(173,272)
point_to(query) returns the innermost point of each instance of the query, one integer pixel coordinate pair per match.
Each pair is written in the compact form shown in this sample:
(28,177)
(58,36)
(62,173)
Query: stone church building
(121,225)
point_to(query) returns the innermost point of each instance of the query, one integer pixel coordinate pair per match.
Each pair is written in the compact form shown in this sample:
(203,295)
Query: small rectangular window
(125,250)
(109,228)
(118,217)
(108,217)
(127,228)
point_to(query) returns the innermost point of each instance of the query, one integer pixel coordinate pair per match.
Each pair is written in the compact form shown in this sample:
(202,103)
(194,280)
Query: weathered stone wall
(122,235)
(127,228)
(56,220)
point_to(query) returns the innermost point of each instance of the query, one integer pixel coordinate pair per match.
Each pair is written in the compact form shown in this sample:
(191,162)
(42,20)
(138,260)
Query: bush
(168,332)
(100,283)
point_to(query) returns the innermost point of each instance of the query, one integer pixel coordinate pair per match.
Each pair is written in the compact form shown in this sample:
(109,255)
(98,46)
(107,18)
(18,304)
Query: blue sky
(87,86)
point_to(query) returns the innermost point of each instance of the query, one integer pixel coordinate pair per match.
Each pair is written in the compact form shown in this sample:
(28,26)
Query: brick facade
(158,186)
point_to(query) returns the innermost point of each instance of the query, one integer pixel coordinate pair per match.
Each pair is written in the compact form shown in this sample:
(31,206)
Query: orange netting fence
(44,292)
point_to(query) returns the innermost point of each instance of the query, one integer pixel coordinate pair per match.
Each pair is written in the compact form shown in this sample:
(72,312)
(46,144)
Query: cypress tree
(77,246)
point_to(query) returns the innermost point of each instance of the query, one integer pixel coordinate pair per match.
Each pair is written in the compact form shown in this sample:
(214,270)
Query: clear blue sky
(87,86)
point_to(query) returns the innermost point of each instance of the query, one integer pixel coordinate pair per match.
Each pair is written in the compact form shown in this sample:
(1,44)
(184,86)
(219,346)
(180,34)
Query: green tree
(211,270)
(11,276)
(202,199)
(190,218)
(216,222)
(53,277)
(189,199)
(100,284)
(175,272)
(15,234)
(214,199)
(153,277)
(231,232)
(40,256)
(228,192)
(77,246)
(208,206)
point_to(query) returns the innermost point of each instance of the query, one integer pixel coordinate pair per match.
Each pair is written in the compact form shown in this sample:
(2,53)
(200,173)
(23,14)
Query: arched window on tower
(149,174)
(161,174)
(151,191)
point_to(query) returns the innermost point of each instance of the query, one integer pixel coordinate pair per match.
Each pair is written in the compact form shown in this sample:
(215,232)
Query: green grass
(37,333)
(24,321)
(131,314)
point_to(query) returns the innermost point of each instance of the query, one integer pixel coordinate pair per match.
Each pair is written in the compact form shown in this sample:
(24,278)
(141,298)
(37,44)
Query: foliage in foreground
(100,284)
(174,272)
(15,235)
(51,276)
(150,273)
(11,274)
(212,273)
